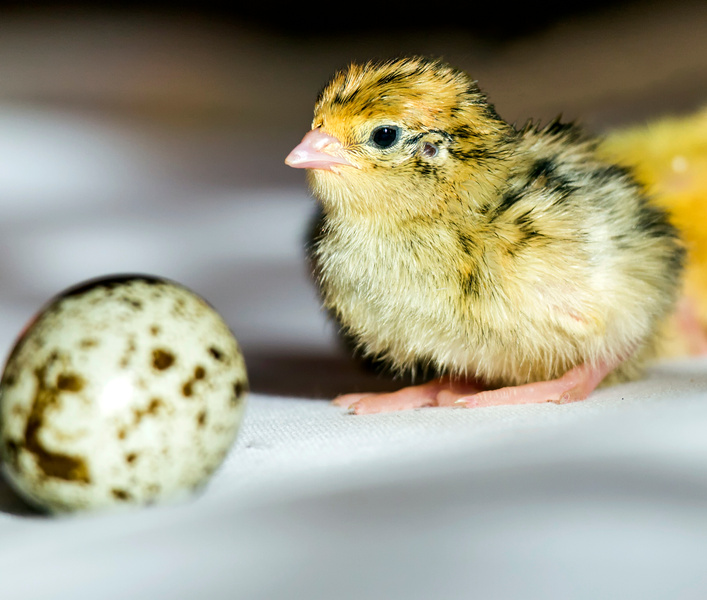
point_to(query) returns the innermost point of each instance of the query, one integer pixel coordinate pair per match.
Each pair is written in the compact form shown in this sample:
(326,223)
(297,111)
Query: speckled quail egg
(123,390)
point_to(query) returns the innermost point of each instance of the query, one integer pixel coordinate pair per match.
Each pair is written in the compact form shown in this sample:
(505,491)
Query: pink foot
(417,396)
(574,385)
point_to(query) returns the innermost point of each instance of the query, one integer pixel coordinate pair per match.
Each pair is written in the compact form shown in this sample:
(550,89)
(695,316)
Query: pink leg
(692,329)
(574,385)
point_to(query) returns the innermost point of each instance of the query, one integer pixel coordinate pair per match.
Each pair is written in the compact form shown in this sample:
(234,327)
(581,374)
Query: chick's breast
(451,238)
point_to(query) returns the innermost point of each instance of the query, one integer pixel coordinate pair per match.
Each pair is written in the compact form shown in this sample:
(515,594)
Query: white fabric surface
(600,499)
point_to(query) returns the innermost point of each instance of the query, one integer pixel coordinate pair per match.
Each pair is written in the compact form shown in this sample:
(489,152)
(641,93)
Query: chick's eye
(385,136)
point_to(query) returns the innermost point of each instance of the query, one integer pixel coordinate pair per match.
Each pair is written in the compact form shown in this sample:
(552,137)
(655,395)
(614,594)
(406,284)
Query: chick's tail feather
(669,157)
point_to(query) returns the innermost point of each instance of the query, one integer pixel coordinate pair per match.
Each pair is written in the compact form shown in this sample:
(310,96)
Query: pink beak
(317,150)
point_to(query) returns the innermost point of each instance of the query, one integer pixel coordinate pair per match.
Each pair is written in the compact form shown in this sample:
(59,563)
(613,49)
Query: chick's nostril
(321,140)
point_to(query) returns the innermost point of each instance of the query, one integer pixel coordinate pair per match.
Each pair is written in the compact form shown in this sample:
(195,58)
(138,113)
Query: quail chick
(515,262)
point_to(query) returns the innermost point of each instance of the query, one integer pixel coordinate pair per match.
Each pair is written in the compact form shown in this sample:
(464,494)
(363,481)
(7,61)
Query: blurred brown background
(151,136)
(211,66)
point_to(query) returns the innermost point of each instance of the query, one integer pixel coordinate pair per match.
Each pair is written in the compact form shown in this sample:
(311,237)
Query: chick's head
(395,138)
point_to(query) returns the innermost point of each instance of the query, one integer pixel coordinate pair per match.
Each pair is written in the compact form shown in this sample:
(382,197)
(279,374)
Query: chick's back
(476,248)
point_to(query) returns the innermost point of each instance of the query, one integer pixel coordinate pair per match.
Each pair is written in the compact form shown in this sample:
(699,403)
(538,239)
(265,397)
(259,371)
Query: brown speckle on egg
(188,387)
(69,382)
(239,389)
(119,494)
(130,349)
(52,464)
(152,409)
(12,451)
(132,302)
(88,343)
(178,310)
(162,359)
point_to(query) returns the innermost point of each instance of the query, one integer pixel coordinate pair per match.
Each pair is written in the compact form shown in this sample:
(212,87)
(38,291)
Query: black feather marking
(529,233)
(654,222)
(424,168)
(472,91)
(477,154)
(413,139)
(394,77)
(508,200)
(343,99)
(527,226)
(609,172)
(466,242)
(463,132)
(544,167)
(558,127)
(441,133)
(490,112)
(676,261)
(470,281)
(525,220)
(471,285)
